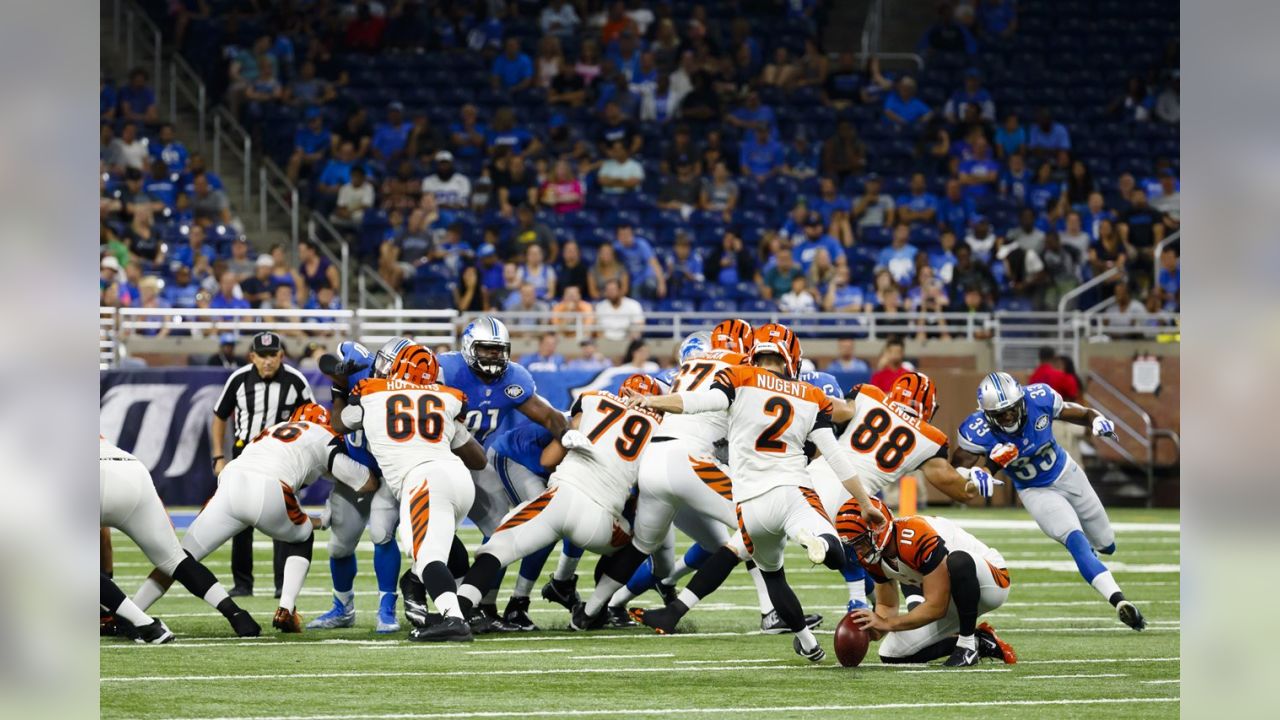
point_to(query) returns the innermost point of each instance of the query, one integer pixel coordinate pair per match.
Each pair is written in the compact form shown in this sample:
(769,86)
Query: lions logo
(514,391)
(1042,422)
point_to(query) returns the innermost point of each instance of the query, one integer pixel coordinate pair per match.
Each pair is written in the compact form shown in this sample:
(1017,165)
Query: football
(851,642)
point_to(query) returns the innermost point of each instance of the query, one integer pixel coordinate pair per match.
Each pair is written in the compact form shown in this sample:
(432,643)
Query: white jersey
(296,453)
(406,424)
(454,192)
(704,430)
(921,540)
(770,419)
(885,442)
(606,471)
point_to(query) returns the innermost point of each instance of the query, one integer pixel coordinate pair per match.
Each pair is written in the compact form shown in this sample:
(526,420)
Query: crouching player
(129,503)
(961,577)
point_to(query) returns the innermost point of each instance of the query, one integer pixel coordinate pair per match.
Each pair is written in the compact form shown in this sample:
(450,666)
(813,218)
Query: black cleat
(240,591)
(1130,615)
(667,592)
(962,657)
(107,626)
(496,622)
(448,629)
(416,613)
(517,614)
(562,592)
(618,617)
(662,620)
(154,634)
(771,624)
(243,624)
(581,621)
(814,655)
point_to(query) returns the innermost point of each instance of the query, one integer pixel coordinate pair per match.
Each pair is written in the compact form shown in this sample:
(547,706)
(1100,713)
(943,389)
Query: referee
(256,396)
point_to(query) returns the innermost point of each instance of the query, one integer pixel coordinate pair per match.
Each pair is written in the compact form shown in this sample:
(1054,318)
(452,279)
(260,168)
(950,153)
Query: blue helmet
(486,346)
(386,355)
(698,342)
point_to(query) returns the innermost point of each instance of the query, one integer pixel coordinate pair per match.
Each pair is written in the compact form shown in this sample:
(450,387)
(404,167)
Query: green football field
(1075,658)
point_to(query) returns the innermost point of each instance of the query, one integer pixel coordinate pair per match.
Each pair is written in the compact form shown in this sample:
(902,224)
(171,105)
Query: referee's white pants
(247,499)
(130,504)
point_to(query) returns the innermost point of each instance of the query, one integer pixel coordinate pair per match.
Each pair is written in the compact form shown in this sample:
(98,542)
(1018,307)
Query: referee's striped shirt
(259,402)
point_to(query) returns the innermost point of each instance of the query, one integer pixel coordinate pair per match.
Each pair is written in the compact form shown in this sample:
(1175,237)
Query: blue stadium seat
(675,305)
(719,306)
(756,306)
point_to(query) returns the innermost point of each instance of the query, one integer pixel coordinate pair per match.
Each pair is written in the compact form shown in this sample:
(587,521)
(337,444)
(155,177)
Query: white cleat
(815,546)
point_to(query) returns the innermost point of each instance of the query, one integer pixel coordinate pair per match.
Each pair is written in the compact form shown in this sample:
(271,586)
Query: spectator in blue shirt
(391,137)
(1095,212)
(159,185)
(186,254)
(546,359)
(997,19)
(944,260)
(815,237)
(1011,137)
(137,101)
(228,296)
(625,53)
(685,264)
(829,201)
(753,115)
(845,360)
(1169,279)
(195,167)
(1044,195)
(166,148)
(324,298)
(971,94)
(979,174)
(956,209)
(492,278)
(182,290)
(804,158)
(310,143)
(641,262)
(903,107)
(761,156)
(107,98)
(900,257)
(337,172)
(512,70)
(1047,137)
(505,133)
(947,35)
(842,295)
(918,205)
(1015,179)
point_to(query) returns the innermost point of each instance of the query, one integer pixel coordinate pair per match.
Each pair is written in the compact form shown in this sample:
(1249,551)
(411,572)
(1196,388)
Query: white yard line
(1083,675)
(738,661)
(1161,682)
(423,674)
(987,524)
(518,652)
(621,657)
(966,671)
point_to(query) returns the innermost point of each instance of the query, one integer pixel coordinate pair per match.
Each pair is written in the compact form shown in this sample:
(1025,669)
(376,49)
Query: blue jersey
(356,446)
(1040,458)
(523,444)
(668,377)
(488,404)
(826,382)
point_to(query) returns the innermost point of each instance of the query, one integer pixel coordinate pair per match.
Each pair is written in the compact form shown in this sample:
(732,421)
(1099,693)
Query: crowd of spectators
(617,158)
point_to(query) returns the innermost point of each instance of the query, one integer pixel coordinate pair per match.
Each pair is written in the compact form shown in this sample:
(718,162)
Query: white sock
(604,590)
(348,598)
(857,591)
(807,640)
(216,595)
(447,604)
(524,587)
(295,572)
(566,567)
(470,592)
(622,597)
(131,612)
(968,642)
(688,598)
(1105,585)
(148,594)
(762,591)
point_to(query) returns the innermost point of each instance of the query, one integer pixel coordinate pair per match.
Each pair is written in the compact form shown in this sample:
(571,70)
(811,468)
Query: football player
(494,385)
(348,513)
(1013,430)
(259,489)
(130,504)
(595,470)
(415,431)
(961,578)
(771,417)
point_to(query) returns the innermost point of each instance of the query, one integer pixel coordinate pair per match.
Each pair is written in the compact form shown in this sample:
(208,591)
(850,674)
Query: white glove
(981,480)
(1103,427)
(574,439)
(325,516)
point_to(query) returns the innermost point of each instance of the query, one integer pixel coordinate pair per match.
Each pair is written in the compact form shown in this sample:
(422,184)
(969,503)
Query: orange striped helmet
(915,392)
(868,542)
(415,364)
(777,339)
(312,413)
(642,384)
(733,335)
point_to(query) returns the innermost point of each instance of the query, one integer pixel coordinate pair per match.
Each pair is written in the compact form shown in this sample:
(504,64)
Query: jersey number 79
(635,431)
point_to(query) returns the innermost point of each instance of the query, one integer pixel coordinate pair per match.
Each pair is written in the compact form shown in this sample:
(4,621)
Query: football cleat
(244,624)
(387,622)
(107,626)
(562,592)
(517,614)
(581,621)
(668,593)
(962,657)
(771,624)
(447,629)
(496,622)
(156,633)
(482,623)
(287,621)
(618,617)
(990,645)
(857,605)
(662,620)
(338,616)
(814,546)
(814,655)
(1130,615)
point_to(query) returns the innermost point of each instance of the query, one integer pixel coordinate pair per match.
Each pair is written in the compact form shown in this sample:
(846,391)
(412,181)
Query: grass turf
(1075,658)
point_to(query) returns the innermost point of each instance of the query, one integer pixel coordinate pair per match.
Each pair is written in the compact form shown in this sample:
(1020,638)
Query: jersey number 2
(781,411)
(401,422)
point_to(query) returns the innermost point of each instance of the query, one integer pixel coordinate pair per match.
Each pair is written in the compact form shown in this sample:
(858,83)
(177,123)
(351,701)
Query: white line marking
(1161,682)
(987,524)
(951,670)
(1062,677)
(739,661)
(1064,661)
(518,652)
(727,711)
(446,673)
(621,657)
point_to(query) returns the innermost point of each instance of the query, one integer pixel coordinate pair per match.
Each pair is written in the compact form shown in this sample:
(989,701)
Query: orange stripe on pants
(291,507)
(815,501)
(746,536)
(1000,574)
(419,515)
(530,511)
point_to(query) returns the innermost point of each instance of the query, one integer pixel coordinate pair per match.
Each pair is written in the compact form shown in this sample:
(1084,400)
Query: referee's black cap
(266,342)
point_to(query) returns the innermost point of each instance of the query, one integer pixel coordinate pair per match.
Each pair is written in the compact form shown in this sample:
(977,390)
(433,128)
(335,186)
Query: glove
(1103,427)
(325,516)
(347,368)
(572,439)
(982,482)
(1003,454)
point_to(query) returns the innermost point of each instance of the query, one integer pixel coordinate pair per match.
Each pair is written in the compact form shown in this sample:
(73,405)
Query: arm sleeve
(227,400)
(723,381)
(700,401)
(461,435)
(353,416)
(347,471)
(830,448)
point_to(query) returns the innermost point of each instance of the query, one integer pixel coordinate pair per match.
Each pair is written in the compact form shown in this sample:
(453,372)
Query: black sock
(835,552)
(621,565)
(1116,598)
(242,559)
(279,553)
(459,561)
(940,649)
(412,587)
(713,572)
(484,571)
(300,549)
(194,576)
(437,579)
(228,607)
(784,599)
(110,595)
(964,589)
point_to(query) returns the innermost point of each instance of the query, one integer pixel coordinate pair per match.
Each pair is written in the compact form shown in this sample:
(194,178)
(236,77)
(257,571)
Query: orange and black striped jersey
(921,543)
(406,424)
(606,470)
(298,452)
(770,419)
(702,431)
(886,442)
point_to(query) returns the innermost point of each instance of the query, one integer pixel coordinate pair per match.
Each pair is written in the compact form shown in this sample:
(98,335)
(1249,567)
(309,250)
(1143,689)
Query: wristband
(219,457)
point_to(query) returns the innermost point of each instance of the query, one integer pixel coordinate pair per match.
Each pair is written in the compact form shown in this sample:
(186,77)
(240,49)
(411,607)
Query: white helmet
(387,354)
(696,343)
(486,346)
(1001,400)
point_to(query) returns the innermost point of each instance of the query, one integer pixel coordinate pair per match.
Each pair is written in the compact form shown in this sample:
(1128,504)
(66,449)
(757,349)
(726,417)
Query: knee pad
(382,527)
(959,561)
(1108,550)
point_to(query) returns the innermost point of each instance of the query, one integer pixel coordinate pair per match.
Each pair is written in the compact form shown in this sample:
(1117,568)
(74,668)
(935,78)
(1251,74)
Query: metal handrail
(1077,292)
(342,259)
(181,67)
(1160,246)
(1147,442)
(244,153)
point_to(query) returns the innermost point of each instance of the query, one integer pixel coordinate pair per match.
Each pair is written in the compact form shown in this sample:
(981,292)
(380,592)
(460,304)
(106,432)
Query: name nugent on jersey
(769,381)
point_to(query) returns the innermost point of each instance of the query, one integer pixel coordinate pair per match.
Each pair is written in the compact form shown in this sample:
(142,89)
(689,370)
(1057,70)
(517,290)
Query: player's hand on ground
(869,621)
(1003,454)
(981,483)
(574,439)
(1103,427)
